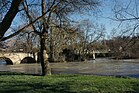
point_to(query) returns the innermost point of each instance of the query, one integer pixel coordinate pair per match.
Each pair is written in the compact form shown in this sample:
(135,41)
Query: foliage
(66,84)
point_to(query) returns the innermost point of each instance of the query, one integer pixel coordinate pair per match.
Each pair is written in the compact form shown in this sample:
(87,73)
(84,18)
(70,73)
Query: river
(92,67)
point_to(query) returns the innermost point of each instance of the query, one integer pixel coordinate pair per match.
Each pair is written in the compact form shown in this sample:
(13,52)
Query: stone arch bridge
(14,58)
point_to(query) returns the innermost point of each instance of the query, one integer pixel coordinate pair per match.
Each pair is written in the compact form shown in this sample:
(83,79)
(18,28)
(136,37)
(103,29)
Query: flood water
(92,67)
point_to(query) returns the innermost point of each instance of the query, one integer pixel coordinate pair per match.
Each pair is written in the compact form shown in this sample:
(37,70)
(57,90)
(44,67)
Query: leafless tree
(126,13)
(49,13)
(89,34)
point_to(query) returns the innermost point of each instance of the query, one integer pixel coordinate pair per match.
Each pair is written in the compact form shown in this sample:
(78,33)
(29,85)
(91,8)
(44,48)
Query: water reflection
(2,62)
(95,67)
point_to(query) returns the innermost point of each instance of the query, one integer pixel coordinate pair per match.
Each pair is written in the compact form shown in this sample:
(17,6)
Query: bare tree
(90,33)
(126,13)
(50,13)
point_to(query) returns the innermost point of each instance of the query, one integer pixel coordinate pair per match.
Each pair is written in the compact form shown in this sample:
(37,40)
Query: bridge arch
(28,60)
(7,60)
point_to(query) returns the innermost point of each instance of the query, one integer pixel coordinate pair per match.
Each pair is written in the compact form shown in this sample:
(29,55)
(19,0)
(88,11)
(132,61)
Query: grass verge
(20,83)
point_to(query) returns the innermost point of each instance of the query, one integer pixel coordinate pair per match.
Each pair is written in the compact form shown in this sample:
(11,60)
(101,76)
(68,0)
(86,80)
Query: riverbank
(20,83)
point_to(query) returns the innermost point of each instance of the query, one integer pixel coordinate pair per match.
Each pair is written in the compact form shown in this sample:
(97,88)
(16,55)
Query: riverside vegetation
(21,83)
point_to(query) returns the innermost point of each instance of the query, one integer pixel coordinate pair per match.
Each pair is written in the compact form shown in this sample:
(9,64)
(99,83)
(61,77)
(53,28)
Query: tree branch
(16,33)
(10,15)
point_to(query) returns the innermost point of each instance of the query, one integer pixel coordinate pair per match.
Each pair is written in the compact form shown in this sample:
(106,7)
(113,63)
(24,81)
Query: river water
(93,67)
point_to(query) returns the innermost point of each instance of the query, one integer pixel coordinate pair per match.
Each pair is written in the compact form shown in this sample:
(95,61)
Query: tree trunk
(41,55)
(51,58)
(44,58)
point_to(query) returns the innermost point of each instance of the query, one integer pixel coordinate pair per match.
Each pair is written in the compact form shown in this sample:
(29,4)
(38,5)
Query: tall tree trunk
(51,46)
(41,54)
(44,57)
(44,60)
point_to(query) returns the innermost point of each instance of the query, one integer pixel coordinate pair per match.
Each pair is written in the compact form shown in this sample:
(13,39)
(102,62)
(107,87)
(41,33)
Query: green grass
(19,83)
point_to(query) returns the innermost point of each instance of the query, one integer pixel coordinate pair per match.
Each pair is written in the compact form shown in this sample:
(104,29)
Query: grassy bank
(19,83)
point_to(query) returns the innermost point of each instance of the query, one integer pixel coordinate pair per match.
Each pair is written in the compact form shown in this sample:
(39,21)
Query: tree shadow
(135,86)
(40,85)
(17,73)
(33,87)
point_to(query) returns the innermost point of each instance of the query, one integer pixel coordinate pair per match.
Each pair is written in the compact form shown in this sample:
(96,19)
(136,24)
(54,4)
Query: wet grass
(20,83)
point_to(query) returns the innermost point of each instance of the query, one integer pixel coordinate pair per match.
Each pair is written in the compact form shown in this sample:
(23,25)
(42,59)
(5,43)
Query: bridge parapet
(101,51)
